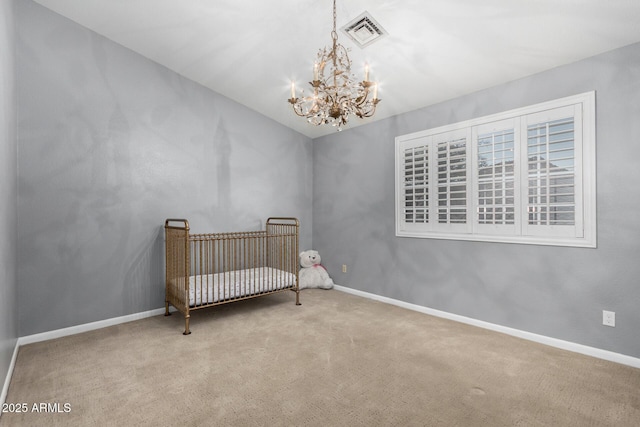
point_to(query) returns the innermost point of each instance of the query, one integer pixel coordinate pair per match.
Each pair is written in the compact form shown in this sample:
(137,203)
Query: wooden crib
(204,270)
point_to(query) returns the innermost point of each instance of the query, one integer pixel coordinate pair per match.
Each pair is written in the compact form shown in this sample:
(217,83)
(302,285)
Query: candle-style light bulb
(366,72)
(375,91)
(293,90)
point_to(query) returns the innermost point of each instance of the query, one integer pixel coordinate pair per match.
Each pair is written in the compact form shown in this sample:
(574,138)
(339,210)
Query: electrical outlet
(344,268)
(609,318)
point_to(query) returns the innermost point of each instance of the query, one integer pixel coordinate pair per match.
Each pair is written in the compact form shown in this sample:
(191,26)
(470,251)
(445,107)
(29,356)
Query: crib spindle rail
(203,270)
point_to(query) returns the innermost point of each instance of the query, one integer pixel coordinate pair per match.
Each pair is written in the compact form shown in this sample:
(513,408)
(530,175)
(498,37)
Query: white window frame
(582,233)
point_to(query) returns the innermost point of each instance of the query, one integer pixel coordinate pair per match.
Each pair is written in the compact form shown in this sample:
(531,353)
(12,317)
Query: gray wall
(8,189)
(111,144)
(553,291)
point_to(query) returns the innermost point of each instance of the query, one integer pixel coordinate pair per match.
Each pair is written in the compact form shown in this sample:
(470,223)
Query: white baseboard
(553,342)
(59,333)
(7,380)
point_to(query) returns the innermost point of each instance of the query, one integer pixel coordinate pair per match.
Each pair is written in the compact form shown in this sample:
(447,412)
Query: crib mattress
(211,288)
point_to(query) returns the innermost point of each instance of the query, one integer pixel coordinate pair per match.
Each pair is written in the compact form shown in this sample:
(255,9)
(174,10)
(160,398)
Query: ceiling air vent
(364,30)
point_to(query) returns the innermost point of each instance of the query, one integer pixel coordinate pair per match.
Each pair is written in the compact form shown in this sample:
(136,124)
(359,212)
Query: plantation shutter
(416,184)
(451,181)
(413,170)
(553,181)
(495,151)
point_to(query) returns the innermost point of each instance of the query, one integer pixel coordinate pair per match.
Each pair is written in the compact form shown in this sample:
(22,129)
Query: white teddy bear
(313,274)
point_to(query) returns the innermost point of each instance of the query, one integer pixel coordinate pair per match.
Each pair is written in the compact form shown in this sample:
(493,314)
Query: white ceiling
(250,50)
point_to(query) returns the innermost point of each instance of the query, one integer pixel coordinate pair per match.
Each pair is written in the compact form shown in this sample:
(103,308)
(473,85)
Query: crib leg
(166,309)
(186,325)
(298,297)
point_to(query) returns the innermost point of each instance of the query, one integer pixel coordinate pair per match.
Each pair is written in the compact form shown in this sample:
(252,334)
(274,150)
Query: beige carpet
(337,360)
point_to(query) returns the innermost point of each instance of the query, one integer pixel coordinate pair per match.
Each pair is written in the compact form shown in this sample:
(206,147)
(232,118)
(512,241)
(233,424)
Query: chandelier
(335,96)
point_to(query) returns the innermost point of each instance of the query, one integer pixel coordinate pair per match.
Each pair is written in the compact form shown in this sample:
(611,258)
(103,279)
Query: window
(522,176)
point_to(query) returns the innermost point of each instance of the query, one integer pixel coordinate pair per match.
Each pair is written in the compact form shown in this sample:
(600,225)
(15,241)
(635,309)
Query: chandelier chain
(334,34)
